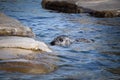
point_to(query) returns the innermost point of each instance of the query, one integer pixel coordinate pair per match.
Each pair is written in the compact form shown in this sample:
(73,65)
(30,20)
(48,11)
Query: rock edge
(95,8)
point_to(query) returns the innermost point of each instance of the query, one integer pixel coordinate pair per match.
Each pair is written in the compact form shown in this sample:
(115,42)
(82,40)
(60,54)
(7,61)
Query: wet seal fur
(64,40)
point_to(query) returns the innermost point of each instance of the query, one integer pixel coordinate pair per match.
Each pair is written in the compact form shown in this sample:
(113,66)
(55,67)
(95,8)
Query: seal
(64,40)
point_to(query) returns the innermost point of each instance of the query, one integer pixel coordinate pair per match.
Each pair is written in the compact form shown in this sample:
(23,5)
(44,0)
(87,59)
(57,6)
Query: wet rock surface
(14,35)
(12,27)
(80,61)
(61,6)
(27,67)
(23,43)
(105,14)
(97,8)
(26,61)
(20,52)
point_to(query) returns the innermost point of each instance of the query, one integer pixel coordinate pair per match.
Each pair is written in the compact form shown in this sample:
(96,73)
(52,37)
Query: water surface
(99,60)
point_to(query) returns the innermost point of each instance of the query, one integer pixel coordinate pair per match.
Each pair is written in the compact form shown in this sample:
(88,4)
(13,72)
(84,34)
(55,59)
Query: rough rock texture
(26,61)
(19,52)
(112,13)
(61,6)
(10,32)
(98,8)
(23,43)
(27,67)
(12,27)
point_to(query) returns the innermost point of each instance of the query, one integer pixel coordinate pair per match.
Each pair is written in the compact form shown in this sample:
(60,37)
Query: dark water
(99,60)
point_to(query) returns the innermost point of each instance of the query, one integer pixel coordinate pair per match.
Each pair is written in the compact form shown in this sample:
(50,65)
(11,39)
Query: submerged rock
(98,8)
(12,27)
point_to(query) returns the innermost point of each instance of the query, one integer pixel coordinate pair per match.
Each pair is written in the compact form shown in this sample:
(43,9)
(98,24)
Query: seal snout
(52,43)
(62,40)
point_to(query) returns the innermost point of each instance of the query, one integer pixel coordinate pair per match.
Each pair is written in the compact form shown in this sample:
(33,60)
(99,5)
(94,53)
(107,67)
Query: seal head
(62,40)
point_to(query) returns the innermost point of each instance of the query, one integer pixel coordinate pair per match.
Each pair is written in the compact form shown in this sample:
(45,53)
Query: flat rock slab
(23,43)
(98,8)
(26,61)
(19,52)
(14,35)
(25,55)
(12,27)
(28,67)
(14,53)
(100,5)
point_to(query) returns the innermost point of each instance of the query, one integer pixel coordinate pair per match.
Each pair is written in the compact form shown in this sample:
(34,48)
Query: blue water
(99,60)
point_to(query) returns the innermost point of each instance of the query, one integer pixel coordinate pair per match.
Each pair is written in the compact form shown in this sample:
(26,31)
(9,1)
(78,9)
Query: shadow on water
(98,60)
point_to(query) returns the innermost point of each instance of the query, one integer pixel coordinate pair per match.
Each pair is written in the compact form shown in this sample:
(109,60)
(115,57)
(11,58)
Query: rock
(23,43)
(26,61)
(24,55)
(14,53)
(19,52)
(10,32)
(109,14)
(61,6)
(95,8)
(12,27)
(27,67)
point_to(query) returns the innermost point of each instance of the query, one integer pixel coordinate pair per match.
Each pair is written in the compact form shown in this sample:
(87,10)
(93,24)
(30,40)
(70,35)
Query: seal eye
(61,40)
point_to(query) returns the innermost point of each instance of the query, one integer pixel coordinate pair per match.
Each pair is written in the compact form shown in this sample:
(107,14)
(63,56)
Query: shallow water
(99,60)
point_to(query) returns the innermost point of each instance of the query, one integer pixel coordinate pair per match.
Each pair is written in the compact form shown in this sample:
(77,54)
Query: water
(99,60)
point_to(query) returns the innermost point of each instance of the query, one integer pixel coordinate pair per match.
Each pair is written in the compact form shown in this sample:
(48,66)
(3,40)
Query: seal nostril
(52,43)
(61,40)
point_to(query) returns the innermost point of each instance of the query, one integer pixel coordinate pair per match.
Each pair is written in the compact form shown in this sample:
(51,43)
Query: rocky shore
(19,51)
(97,8)
(12,27)
(15,35)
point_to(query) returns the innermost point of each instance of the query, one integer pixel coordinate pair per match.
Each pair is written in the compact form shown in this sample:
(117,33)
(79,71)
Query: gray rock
(14,35)
(98,8)
(26,61)
(23,43)
(19,52)
(12,27)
